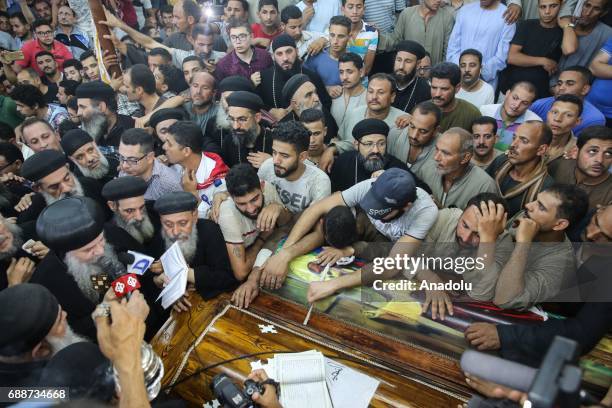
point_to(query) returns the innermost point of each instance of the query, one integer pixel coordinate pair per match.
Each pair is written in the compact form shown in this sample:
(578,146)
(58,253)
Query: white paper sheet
(173,261)
(174,290)
(302,379)
(347,387)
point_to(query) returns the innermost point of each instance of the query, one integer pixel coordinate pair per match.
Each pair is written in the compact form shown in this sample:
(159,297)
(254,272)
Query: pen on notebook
(323,275)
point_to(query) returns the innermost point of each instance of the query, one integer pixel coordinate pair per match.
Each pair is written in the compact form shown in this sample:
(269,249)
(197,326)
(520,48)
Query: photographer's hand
(269,399)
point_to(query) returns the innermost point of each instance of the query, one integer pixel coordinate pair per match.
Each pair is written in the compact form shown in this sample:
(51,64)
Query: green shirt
(462,116)
(8,112)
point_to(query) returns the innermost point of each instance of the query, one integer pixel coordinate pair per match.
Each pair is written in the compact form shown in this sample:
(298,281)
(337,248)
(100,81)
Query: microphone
(508,373)
(123,283)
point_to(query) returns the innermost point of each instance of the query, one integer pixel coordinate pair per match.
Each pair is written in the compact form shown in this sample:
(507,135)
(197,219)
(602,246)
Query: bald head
(202,89)
(460,138)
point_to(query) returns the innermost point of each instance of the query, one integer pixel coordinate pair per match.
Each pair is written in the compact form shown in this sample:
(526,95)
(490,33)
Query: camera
(230,396)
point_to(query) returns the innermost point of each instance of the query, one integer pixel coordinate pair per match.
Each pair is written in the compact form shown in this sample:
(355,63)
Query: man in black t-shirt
(535,50)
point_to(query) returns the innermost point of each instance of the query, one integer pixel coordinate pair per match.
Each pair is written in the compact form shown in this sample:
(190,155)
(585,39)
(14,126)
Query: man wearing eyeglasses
(369,157)
(136,158)
(245,60)
(43,41)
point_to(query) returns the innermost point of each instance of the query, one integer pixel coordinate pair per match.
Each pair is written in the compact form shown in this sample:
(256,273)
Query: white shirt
(484,96)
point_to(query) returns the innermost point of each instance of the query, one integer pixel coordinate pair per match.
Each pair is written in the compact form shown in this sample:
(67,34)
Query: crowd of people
(371,128)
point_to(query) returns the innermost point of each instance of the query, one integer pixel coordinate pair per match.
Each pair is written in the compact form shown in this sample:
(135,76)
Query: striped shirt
(163,180)
(382,13)
(366,40)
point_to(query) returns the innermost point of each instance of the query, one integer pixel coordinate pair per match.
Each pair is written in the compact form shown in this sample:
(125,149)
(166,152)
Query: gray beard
(245,139)
(221,120)
(98,172)
(60,343)
(188,246)
(82,272)
(301,108)
(77,192)
(96,125)
(17,240)
(372,165)
(141,231)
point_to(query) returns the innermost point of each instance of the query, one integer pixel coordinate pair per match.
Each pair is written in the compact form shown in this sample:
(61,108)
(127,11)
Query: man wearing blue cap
(397,208)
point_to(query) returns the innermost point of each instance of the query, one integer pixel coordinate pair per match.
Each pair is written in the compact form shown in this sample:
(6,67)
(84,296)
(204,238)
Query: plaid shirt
(232,65)
(163,180)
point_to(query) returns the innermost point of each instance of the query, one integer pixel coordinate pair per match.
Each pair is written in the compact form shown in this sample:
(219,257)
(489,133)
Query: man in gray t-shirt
(397,208)
(298,184)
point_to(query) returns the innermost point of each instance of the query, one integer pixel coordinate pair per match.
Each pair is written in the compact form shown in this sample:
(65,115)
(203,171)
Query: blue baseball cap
(391,191)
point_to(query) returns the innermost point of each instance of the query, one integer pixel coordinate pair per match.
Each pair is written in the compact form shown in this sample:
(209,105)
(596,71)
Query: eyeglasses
(369,145)
(41,33)
(424,68)
(239,37)
(130,161)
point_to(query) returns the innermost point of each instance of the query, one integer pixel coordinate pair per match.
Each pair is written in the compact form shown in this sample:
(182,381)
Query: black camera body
(230,396)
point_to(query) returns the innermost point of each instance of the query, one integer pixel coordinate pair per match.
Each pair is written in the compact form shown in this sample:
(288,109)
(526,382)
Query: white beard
(82,272)
(98,172)
(140,231)
(77,192)
(60,343)
(17,240)
(96,126)
(188,245)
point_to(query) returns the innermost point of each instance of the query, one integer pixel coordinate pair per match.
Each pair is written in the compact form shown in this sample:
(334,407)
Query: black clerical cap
(70,223)
(74,139)
(29,311)
(83,369)
(97,90)
(412,47)
(42,164)
(283,40)
(243,99)
(236,83)
(292,85)
(367,127)
(124,187)
(165,114)
(175,202)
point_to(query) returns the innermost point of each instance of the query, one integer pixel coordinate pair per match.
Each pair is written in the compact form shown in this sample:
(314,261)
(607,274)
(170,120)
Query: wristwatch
(570,25)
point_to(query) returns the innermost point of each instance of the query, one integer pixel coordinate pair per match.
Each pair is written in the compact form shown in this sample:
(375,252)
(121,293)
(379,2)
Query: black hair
(594,132)
(87,54)
(342,21)
(69,86)
(135,136)
(529,87)
(293,133)
(3,13)
(340,227)
(142,76)
(241,180)
(446,70)
(569,98)
(7,132)
(313,115)
(191,9)
(187,134)
(429,108)
(29,95)
(486,197)
(42,54)
(202,29)
(351,57)
(472,51)
(586,73)
(485,120)
(40,22)
(235,23)
(244,3)
(73,63)
(173,78)
(263,3)
(290,12)
(162,52)
(10,152)
(19,15)
(65,126)
(574,202)
(72,103)
(193,58)
(344,2)
(167,9)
